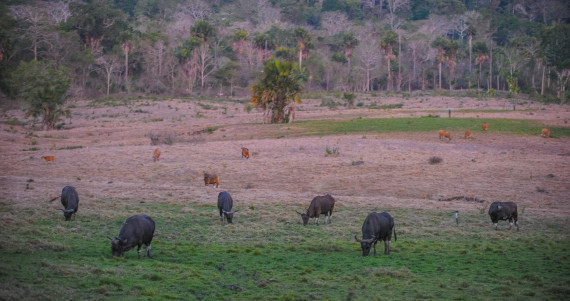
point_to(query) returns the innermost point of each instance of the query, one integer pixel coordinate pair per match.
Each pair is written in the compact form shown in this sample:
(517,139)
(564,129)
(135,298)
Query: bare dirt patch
(106,153)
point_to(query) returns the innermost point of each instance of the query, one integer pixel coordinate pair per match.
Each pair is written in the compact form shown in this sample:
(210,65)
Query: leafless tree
(397,5)
(205,65)
(368,56)
(416,48)
(196,9)
(57,11)
(334,22)
(266,15)
(109,64)
(550,12)
(33,26)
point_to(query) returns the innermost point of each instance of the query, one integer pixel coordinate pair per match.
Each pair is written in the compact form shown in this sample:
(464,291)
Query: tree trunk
(470,60)
(300,57)
(399,80)
(542,84)
(490,68)
(108,82)
(439,70)
(479,77)
(388,60)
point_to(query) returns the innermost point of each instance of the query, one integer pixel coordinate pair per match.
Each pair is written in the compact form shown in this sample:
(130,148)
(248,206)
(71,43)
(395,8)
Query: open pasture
(365,162)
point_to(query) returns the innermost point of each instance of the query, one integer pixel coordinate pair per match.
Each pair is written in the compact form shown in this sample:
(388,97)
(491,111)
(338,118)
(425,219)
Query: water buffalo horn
(358,240)
(109,237)
(68,210)
(298,212)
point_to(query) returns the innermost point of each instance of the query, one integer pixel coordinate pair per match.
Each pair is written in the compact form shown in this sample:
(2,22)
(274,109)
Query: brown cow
(211,179)
(156,155)
(49,158)
(445,134)
(245,153)
(545,133)
(484,126)
(467,134)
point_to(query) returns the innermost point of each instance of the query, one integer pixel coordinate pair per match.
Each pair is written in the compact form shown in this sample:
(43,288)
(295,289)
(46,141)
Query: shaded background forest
(217,48)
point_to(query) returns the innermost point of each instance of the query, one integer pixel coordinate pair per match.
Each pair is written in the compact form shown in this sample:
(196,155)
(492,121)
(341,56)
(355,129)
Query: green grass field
(268,255)
(426,124)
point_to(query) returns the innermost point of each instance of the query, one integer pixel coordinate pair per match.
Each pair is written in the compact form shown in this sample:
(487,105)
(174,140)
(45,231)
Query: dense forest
(69,48)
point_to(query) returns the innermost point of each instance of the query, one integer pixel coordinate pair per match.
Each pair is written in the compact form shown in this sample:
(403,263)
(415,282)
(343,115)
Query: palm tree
(303,39)
(280,85)
(348,42)
(387,44)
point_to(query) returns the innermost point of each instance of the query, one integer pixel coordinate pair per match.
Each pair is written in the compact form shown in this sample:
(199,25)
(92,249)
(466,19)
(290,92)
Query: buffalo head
(67,213)
(117,248)
(305,217)
(365,244)
(229,215)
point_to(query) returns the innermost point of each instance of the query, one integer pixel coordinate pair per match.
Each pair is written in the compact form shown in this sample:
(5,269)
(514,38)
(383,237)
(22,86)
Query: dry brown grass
(114,161)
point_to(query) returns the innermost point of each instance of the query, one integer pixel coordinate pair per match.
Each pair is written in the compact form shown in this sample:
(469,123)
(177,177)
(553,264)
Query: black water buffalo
(70,201)
(136,231)
(503,211)
(376,227)
(320,204)
(225,204)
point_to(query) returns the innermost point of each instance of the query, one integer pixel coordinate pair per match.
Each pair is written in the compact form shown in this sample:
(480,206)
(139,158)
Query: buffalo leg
(148,251)
(375,247)
(139,251)
(387,247)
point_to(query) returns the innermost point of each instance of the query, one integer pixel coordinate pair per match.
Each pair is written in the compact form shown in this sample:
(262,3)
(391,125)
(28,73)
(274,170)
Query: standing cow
(70,201)
(320,204)
(225,204)
(136,231)
(377,227)
(503,211)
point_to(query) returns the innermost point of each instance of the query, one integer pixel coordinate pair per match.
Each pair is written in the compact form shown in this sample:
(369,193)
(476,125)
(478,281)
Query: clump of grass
(161,138)
(71,147)
(392,106)
(330,103)
(31,149)
(332,151)
(435,160)
(206,106)
(540,189)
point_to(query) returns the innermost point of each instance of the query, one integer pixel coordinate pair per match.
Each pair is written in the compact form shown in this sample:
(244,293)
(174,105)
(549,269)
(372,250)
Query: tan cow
(245,153)
(156,155)
(49,158)
(211,179)
(445,134)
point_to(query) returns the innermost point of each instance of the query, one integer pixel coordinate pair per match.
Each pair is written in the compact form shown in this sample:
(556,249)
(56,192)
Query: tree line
(51,50)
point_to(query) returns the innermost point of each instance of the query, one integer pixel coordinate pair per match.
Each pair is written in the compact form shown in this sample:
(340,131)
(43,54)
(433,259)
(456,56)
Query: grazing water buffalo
(503,211)
(136,231)
(225,204)
(376,227)
(70,201)
(320,204)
